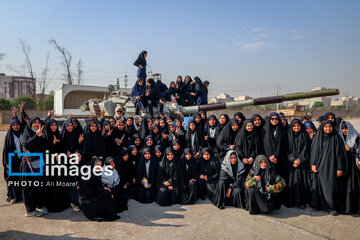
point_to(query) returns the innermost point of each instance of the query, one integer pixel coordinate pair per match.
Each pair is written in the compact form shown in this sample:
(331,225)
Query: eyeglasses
(274,119)
(119,111)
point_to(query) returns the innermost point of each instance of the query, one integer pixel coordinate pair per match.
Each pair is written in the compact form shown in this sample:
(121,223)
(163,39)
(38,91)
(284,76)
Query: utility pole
(125,81)
(277,86)
(347,99)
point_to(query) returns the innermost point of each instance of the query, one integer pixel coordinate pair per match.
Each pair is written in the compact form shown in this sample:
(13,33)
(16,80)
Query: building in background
(342,101)
(223,97)
(16,86)
(242,98)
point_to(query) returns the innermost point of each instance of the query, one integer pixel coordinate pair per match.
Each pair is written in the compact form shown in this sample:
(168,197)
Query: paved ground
(200,221)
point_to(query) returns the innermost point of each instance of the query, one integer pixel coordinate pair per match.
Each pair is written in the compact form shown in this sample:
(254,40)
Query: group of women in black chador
(255,164)
(150,94)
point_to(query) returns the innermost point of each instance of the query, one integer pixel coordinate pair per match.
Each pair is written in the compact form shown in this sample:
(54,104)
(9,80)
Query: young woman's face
(112,122)
(249,127)
(137,120)
(238,118)
(141,82)
(15,127)
(147,155)
(137,142)
(170,156)
(192,126)
(206,156)
(212,122)
(158,153)
(97,167)
(107,127)
(156,129)
(134,152)
(176,146)
(283,121)
(171,128)
(149,142)
(178,123)
(296,128)
(328,128)
(233,159)
(197,119)
(93,127)
(274,120)
(156,121)
(202,115)
(263,164)
(331,118)
(69,127)
(309,130)
(126,157)
(168,120)
(150,121)
(344,131)
(149,83)
(222,120)
(112,164)
(257,121)
(53,127)
(172,85)
(235,127)
(129,122)
(74,123)
(121,126)
(162,123)
(35,124)
(145,55)
(179,79)
(188,156)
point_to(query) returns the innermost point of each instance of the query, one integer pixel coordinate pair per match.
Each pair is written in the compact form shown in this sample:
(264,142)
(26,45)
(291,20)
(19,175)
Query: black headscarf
(141,60)
(272,144)
(299,143)
(210,168)
(245,142)
(169,170)
(69,139)
(141,168)
(198,140)
(227,137)
(93,144)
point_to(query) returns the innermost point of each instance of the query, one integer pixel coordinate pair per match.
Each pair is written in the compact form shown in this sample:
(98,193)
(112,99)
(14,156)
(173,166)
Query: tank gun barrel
(261,101)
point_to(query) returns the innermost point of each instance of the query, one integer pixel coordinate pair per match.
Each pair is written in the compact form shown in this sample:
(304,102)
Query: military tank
(119,97)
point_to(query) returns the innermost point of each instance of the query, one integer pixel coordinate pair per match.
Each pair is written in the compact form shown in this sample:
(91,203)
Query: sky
(241,47)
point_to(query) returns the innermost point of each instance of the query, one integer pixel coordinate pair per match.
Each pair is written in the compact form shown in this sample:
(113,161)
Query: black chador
(230,187)
(146,176)
(190,176)
(298,167)
(208,170)
(227,137)
(328,162)
(96,201)
(168,179)
(245,142)
(351,201)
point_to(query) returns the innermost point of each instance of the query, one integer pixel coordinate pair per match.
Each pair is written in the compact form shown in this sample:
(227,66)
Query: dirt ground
(199,221)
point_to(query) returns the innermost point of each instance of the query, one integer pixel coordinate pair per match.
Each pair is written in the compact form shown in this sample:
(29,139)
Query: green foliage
(317,105)
(5,104)
(47,103)
(29,102)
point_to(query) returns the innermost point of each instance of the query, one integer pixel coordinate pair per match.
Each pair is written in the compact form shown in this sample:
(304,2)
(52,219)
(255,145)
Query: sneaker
(34,214)
(43,210)
(74,207)
(333,213)
(12,201)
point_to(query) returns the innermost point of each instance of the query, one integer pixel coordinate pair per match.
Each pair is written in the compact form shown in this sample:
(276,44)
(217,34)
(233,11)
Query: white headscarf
(351,136)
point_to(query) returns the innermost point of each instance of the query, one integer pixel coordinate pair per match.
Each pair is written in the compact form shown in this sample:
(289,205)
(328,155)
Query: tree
(317,104)
(30,103)
(66,60)
(48,103)
(79,71)
(42,81)
(4,104)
